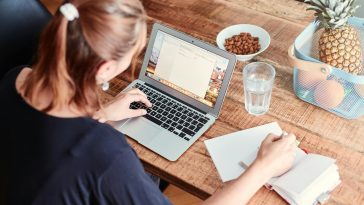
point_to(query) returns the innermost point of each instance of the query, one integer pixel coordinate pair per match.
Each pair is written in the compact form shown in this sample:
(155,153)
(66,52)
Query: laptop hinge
(176,98)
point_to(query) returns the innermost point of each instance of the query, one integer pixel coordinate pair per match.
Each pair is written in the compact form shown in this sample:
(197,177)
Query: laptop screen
(187,68)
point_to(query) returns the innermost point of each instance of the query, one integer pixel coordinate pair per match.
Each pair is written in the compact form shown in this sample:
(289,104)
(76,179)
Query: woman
(61,151)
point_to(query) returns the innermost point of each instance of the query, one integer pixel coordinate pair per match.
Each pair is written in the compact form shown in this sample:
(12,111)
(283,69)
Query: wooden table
(319,131)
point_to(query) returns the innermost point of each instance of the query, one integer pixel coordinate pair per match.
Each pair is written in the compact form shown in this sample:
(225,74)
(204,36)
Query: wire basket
(323,85)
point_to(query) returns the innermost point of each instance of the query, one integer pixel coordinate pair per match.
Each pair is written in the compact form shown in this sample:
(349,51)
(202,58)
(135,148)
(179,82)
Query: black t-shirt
(51,160)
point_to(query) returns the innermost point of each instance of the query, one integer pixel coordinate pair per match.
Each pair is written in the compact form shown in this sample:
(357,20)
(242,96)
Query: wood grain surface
(318,130)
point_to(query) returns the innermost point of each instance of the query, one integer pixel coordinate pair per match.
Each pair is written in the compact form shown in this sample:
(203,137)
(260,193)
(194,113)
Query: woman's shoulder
(23,72)
(112,137)
(101,140)
(11,76)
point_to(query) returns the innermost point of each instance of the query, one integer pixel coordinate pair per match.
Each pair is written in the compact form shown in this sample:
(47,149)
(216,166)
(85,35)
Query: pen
(242,164)
(284,133)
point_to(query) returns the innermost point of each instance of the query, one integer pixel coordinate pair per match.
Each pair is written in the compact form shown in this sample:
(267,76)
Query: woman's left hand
(119,108)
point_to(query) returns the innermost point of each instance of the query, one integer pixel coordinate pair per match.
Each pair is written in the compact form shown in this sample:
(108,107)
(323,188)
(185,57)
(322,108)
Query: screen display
(187,68)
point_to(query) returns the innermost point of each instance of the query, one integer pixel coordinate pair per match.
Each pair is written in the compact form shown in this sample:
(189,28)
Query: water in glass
(258,83)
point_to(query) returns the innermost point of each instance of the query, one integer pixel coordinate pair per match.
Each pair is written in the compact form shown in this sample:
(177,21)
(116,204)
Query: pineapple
(339,43)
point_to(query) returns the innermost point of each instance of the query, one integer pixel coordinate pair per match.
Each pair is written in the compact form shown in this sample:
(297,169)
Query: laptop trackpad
(140,129)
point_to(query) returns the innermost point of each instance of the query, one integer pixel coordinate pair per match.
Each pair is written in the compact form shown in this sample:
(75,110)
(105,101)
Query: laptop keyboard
(170,114)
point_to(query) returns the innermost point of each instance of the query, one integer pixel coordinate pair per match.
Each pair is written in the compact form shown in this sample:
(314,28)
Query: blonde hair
(70,52)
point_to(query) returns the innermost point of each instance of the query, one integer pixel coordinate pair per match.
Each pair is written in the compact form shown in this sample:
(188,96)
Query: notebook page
(325,183)
(228,150)
(305,173)
(291,199)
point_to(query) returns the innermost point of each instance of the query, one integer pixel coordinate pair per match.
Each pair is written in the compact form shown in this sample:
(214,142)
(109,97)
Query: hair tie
(69,11)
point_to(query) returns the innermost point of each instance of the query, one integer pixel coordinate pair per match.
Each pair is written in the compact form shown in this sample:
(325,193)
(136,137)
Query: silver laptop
(186,81)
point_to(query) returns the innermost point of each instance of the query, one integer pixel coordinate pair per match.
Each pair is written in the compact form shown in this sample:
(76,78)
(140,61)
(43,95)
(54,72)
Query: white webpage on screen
(185,65)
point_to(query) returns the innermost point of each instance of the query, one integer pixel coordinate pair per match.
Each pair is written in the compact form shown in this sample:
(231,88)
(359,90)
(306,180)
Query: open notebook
(309,181)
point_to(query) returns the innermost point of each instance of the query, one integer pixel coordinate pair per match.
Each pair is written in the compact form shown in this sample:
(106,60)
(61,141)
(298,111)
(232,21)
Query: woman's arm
(275,157)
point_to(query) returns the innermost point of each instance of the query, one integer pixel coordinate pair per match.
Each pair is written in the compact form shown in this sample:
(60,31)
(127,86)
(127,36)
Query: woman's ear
(106,71)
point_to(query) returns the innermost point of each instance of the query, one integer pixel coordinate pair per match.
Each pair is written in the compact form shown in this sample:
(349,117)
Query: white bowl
(255,31)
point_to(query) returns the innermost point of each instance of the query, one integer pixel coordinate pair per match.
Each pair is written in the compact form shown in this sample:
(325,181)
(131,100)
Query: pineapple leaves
(345,3)
(318,3)
(332,5)
(354,9)
(314,8)
(339,8)
(332,13)
(351,2)
(343,15)
(323,2)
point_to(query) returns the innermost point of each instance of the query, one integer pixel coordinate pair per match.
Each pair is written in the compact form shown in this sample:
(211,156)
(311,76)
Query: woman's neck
(44,98)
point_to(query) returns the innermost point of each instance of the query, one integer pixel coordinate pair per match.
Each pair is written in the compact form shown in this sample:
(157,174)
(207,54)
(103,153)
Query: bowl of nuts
(243,40)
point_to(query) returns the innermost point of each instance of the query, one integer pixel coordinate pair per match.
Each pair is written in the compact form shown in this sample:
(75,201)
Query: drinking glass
(258,80)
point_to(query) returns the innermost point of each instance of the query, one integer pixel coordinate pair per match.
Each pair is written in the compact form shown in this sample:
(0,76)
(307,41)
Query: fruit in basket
(308,79)
(359,88)
(329,94)
(339,43)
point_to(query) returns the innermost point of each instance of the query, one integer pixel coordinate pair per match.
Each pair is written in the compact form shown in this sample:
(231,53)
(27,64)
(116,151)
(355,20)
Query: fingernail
(304,150)
(144,112)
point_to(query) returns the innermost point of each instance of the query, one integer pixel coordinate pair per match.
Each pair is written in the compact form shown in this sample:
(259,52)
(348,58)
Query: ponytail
(71,51)
(50,70)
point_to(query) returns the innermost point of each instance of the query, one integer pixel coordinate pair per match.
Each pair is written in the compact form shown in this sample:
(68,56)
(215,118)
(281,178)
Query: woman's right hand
(275,157)
(276,154)
(118,108)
